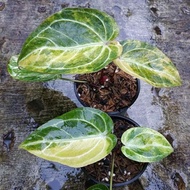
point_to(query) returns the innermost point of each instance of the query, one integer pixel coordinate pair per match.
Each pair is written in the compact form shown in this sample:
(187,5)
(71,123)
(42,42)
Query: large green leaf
(74,40)
(148,63)
(76,138)
(24,75)
(145,145)
(98,187)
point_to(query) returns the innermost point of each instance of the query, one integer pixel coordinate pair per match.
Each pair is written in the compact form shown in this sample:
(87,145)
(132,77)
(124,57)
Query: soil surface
(109,89)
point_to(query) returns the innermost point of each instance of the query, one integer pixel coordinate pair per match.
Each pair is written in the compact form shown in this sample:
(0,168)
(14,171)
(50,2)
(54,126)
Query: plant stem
(112,170)
(73,80)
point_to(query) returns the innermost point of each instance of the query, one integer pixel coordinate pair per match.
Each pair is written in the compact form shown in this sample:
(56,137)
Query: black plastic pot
(121,110)
(92,180)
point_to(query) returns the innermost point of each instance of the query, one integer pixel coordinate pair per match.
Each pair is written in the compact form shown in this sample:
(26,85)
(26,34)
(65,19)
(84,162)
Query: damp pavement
(24,106)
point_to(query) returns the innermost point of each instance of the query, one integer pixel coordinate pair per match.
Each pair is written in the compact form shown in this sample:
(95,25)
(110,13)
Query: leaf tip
(21,146)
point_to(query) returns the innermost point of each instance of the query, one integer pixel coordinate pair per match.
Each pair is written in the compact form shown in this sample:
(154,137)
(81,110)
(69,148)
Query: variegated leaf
(76,138)
(148,63)
(74,40)
(24,75)
(145,145)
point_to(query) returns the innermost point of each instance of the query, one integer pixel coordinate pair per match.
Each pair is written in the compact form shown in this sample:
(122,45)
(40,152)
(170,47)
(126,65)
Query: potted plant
(125,171)
(85,135)
(81,41)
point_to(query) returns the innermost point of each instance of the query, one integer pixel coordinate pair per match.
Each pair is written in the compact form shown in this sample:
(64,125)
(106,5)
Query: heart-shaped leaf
(24,75)
(72,41)
(148,63)
(98,187)
(145,145)
(77,138)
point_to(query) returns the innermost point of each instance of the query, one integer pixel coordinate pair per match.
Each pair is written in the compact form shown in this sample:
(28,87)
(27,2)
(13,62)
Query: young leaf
(25,75)
(72,41)
(148,63)
(76,138)
(145,145)
(98,187)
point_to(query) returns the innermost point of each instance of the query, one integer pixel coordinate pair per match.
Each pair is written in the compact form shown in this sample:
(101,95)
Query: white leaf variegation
(25,75)
(76,138)
(148,63)
(72,41)
(145,145)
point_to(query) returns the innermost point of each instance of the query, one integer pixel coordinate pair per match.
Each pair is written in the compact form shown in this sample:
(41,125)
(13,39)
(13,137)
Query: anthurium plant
(81,40)
(85,135)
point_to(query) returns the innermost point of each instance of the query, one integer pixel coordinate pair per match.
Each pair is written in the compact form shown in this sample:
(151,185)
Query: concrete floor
(24,106)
